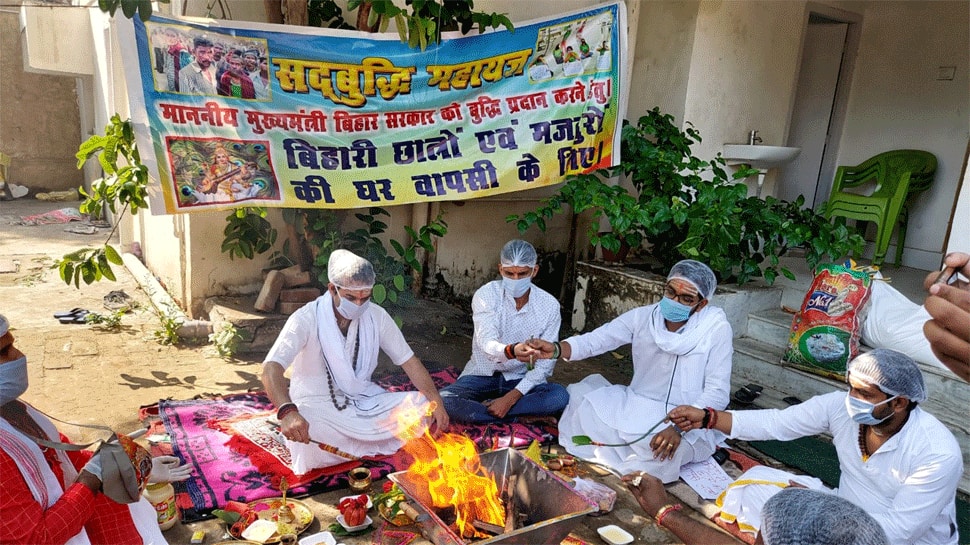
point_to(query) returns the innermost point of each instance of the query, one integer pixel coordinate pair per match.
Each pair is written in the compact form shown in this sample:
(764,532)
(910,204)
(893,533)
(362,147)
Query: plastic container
(162,497)
(614,535)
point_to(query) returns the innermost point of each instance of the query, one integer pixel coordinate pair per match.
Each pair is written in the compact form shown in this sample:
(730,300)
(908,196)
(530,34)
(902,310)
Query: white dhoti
(357,433)
(610,413)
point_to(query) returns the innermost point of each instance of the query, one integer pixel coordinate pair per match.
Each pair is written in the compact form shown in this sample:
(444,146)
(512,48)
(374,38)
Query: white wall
(742,72)
(896,102)
(662,57)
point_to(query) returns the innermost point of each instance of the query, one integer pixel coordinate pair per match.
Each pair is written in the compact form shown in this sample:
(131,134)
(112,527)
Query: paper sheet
(707,478)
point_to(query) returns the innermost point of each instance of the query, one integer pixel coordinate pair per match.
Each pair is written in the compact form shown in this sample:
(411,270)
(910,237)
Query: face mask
(517,287)
(350,310)
(674,311)
(13,379)
(861,411)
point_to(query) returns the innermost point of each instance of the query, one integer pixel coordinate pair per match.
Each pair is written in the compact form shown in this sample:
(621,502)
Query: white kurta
(908,485)
(364,427)
(662,380)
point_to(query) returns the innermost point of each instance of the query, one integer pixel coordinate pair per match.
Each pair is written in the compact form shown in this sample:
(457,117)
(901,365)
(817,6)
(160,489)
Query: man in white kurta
(902,467)
(332,412)
(681,355)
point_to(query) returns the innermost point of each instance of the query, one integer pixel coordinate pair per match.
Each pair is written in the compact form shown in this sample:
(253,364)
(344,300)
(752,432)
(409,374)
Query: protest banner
(234,114)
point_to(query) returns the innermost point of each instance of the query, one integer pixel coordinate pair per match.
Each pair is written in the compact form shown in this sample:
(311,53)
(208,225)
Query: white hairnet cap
(349,271)
(4,325)
(696,273)
(893,372)
(802,516)
(518,253)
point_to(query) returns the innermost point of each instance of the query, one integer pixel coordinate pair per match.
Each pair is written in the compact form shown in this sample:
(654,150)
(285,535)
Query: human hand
(543,349)
(441,418)
(648,491)
(955,262)
(948,332)
(665,443)
(166,469)
(90,474)
(501,406)
(686,417)
(527,354)
(295,428)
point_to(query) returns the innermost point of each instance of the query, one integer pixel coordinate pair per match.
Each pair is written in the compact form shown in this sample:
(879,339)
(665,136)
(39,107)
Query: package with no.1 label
(825,332)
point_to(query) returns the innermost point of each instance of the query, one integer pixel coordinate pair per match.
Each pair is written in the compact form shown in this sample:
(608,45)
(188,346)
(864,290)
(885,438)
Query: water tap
(753,138)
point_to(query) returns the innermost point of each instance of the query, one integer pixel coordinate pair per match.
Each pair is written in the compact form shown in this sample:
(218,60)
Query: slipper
(117,300)
(746,394)
(79,318)
(69,313)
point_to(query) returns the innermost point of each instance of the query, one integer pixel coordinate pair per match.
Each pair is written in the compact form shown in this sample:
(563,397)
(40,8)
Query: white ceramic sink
(761,157)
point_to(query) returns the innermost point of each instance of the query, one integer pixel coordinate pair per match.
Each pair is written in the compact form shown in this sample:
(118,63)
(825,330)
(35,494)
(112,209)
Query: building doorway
(818,112)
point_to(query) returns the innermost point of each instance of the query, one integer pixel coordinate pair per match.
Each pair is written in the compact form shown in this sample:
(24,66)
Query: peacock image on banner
(246,114)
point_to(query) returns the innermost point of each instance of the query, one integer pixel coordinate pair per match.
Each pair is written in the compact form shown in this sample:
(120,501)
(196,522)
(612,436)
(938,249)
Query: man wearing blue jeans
(505,380)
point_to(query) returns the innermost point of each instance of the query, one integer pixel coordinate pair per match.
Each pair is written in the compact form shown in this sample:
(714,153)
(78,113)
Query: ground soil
(95,375)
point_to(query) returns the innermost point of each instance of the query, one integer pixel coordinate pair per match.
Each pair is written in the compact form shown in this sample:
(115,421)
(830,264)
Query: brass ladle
(285,513)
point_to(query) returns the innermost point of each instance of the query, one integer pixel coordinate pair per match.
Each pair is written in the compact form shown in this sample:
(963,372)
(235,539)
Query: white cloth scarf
(338,352)
(34,469)
(47,490)
(688,337)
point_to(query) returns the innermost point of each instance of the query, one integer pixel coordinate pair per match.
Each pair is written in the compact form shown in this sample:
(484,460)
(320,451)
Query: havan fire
(456,481)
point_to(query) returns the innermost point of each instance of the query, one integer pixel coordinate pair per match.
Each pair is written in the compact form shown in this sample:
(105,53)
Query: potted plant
(685,207)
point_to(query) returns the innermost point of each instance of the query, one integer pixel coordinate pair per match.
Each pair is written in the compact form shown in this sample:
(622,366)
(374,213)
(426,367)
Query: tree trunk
(363,13)
(295,12)
(274,11)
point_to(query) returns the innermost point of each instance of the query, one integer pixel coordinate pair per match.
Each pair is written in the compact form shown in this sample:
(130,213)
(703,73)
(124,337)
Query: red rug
(236,456)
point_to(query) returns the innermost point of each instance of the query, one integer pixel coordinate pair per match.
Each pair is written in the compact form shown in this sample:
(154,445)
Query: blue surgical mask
(674,311)
(351,311)
(517,287)
(13,379)
(861,411)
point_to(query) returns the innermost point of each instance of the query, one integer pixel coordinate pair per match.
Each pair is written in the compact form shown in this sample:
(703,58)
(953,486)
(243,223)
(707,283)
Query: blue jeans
(463,399)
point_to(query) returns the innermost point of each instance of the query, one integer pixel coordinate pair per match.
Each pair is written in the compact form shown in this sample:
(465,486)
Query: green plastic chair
(897,176)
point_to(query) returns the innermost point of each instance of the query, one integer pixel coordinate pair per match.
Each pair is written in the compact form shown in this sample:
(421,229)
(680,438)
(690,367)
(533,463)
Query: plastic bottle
(162,497)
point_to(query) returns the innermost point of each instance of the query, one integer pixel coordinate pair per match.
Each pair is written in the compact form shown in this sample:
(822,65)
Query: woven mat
(238,456)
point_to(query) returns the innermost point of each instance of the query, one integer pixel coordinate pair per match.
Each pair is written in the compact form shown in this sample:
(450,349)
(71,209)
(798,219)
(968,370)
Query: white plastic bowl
(367,522)
(615,535)
(259,531)
(319,538)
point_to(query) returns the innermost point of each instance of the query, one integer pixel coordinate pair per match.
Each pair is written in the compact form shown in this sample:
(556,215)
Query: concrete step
(770,326)
(258,330)
(761,363)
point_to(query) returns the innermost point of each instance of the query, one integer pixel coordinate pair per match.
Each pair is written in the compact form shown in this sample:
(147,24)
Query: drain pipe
(163,302)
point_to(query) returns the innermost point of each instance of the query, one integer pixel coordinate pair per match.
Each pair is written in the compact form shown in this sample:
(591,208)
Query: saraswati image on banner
(244,114)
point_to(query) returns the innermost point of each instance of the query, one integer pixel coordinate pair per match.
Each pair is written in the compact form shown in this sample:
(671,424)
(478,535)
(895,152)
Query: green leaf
(112,255)
(582,440)
(379,293)
(145,9)
(399,282)
(402,27)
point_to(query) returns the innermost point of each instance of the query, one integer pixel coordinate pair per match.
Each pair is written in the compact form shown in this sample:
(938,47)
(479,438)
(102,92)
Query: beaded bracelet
(665,510)
(510,350)
(286,409)
(558,350)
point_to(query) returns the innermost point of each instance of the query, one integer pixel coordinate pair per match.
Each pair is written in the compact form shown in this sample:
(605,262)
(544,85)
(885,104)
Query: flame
(452,470)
